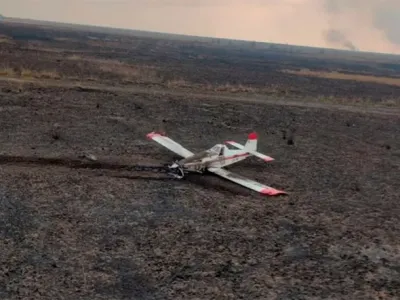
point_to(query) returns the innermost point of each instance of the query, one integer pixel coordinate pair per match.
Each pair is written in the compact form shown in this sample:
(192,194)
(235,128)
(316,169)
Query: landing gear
(176,171)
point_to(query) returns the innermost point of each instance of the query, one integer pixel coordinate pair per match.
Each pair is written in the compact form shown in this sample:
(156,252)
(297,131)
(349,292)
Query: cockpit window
(218,149)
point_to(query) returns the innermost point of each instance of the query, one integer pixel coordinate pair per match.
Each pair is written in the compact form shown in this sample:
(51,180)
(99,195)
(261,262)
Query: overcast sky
(369,25)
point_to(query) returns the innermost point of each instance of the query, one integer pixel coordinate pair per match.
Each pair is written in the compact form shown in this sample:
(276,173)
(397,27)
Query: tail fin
(251,147)
(251,143)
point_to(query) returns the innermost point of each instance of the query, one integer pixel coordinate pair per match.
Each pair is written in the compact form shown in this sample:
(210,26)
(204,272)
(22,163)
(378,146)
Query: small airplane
(214,159)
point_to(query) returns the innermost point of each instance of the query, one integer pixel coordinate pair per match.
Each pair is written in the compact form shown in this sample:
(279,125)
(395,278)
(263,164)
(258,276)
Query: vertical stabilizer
(251,143)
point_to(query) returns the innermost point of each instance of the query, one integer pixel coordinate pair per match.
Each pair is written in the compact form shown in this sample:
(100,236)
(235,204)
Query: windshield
(216,149)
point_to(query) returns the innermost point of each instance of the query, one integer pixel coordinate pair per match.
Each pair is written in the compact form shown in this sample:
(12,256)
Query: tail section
(251,143)
(251,147)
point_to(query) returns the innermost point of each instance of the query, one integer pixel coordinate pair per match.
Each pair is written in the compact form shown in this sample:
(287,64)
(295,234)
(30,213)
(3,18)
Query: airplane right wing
(250,184)
(169,144)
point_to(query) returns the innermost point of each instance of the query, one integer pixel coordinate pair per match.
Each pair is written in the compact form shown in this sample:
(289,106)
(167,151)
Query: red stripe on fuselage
(229,157)
(236,156)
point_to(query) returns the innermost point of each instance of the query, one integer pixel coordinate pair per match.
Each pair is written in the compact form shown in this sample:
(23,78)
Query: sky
(367,25)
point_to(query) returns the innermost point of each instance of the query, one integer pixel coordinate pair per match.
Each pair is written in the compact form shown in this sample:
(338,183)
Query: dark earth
(75,229)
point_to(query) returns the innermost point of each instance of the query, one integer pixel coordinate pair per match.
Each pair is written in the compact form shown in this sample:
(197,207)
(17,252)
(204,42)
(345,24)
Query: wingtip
(268,159)
(272,192)
(154,134)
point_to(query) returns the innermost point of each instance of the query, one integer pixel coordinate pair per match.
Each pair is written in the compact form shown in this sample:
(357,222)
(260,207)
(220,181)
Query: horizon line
(6,18)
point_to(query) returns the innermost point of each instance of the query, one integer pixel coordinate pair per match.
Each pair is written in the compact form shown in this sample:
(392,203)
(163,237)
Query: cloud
(387,19)
(382,15)
(189,3)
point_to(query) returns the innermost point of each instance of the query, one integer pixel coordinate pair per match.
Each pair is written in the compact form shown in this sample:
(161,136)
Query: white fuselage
(216,157)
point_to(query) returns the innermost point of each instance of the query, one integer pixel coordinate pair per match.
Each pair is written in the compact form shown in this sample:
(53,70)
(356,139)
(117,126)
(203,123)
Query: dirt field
(72,230)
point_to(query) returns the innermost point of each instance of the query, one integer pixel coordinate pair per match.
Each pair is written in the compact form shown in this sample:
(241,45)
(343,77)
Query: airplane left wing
(250,184)
(169,144)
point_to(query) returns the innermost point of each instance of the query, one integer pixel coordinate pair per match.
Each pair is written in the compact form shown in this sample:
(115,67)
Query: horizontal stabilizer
(255,153)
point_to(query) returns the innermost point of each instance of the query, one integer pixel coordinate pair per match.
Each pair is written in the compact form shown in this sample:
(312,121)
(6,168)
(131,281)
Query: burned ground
(108,233)
(125,60)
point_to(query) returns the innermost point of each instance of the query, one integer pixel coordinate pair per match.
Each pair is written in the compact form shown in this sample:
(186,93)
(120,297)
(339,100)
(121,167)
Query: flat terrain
(73,229)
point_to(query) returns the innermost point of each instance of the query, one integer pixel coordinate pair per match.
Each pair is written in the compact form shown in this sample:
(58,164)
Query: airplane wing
(169,144)
(251,184)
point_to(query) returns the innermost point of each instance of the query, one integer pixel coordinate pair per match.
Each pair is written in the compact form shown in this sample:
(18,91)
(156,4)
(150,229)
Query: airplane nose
(176,170)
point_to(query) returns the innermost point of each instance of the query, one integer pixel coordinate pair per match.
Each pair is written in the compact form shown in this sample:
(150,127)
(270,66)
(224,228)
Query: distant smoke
(384,15)
(338,38)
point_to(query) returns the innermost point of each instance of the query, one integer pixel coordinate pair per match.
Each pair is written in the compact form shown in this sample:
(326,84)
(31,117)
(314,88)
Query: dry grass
(7,71)
(279,91)
(4,39)
(128,72)
(75,57)
(44,49)
(64,39)
(174,83)
(356,101)
(29,73)
(227,88)
(234,88)
(342,76)
(47,74)
(117,67)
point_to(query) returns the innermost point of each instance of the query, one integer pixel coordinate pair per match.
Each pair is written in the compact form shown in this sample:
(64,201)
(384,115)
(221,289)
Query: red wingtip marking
(272,192)
(227,142)
(252,136)
(152,135)
(267,159)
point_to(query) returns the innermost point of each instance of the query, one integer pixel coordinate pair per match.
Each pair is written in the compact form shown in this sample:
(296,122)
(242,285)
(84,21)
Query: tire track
(73,163)
(115,170)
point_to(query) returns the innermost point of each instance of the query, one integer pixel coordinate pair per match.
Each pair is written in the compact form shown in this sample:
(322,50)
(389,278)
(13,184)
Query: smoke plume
(338,38)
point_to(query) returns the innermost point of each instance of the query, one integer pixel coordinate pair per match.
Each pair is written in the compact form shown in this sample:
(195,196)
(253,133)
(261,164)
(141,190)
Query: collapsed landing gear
(176,171)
